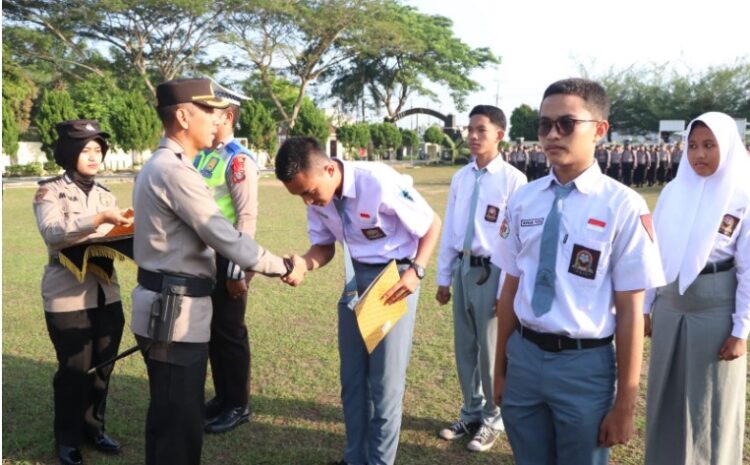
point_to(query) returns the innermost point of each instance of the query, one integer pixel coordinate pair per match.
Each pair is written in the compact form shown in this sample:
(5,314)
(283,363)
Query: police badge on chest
(584,261)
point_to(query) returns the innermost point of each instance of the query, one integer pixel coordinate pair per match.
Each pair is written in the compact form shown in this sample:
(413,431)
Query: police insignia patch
(728,225)
(491,213)
(40,194)
(583,261)
(238,170)
(373,233)
(504,229)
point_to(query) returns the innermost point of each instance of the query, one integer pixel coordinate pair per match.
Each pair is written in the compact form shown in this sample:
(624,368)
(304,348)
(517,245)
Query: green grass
(295,387)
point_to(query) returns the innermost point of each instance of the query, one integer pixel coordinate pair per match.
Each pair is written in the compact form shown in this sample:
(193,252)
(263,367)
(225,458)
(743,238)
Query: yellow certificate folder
(375,319)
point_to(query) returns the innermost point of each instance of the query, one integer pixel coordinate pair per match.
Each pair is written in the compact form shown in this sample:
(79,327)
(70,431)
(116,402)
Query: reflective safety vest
(213,167)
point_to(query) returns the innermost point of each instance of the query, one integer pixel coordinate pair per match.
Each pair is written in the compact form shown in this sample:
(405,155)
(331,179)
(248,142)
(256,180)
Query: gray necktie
(544,285)
(469,236)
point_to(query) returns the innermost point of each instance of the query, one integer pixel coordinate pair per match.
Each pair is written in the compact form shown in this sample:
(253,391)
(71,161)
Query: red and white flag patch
(596,225)
(238,170)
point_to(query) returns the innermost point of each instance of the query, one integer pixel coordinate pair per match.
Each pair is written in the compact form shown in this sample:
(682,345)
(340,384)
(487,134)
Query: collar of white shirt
(492,167)
(347,180)
(585,183)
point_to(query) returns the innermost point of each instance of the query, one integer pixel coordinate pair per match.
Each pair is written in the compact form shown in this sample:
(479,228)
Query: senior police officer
(231,173)
(177,225)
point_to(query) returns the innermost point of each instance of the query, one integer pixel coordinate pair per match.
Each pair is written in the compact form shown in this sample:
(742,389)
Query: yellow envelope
(375,319)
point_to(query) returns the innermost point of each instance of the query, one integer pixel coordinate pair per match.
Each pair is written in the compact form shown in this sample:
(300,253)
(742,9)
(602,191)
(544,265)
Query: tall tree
(312,122)
(136,126)
(523,123)
(258,125)
(296,39)
(55,106)
(409,50)
(19,90)
(10,131)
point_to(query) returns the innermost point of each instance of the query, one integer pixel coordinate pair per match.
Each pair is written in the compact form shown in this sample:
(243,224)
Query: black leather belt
(556,342)
(399,261)
(474,260)
(196,287)
(718,267)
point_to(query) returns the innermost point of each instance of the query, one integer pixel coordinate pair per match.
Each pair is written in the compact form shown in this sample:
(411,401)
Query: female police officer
(84,319)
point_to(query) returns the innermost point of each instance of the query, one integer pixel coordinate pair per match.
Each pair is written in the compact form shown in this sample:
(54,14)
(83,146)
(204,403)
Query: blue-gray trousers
(372,385)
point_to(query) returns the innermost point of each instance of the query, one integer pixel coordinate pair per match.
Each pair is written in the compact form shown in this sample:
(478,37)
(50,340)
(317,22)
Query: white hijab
(691,207)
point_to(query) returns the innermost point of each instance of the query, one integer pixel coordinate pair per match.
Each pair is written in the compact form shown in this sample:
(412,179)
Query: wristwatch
(289,264)
(419,269)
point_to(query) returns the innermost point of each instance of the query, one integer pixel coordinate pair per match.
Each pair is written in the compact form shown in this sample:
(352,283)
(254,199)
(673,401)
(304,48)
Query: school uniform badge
(525,223)
(491,214)
(504,229)
(728,225)
(583,261)
(373,233)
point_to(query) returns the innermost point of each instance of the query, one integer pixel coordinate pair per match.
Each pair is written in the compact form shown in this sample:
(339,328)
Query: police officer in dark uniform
(231,173)
(84,316)
(178,226)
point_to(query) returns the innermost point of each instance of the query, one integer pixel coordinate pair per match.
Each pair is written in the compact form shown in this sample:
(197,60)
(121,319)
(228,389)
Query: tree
(135,124)
(55,106)
(258,125)
(353,136)
(311,122)
(409,140)
(434,135)
(385,136)
(10,131)
(309,36)
(408,50)
(523,123)
(18,90)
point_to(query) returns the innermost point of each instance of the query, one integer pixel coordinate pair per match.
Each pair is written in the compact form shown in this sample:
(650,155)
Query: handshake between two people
(298,273)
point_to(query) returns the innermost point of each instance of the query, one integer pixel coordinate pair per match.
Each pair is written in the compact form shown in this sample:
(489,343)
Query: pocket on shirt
(586,259)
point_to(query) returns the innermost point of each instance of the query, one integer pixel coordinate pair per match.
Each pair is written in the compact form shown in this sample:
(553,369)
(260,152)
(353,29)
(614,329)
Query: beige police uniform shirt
(65,217)
(177,228)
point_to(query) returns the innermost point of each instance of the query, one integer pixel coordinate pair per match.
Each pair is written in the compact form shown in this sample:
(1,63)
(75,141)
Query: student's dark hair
(295,156)
(592,93)
(494,114)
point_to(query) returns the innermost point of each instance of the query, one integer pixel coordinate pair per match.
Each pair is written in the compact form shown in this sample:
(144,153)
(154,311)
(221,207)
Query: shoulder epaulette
(41,182)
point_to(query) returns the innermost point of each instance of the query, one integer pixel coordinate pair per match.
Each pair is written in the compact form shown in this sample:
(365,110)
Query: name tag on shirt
(491,214)
(373,233)
(532,222)
(584,261)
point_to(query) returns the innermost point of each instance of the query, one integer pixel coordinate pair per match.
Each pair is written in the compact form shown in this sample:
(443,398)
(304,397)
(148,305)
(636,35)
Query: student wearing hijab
(84,319)
(701,319)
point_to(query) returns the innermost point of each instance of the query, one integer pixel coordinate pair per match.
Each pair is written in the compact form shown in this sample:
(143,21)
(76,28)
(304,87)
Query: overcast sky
(542,41)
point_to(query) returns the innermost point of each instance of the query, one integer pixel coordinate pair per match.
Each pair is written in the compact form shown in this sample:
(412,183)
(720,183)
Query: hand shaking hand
(298,273)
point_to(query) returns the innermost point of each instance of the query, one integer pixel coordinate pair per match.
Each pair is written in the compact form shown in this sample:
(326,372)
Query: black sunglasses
(564,126)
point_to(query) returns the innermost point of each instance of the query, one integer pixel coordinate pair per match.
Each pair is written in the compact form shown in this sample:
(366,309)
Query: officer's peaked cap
(200,91)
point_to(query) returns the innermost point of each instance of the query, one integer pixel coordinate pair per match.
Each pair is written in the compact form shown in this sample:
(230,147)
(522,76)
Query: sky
(542,41)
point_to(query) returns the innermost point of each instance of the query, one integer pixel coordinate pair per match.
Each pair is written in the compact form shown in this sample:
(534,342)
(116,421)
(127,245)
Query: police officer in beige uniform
(178,227)
(84,319)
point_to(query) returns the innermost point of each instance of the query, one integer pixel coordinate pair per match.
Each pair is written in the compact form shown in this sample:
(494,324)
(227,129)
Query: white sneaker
(484,439)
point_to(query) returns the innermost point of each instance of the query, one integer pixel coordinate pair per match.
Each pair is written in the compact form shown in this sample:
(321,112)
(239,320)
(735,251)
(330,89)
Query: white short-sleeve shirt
(495,188)
(605,245)
(386,216)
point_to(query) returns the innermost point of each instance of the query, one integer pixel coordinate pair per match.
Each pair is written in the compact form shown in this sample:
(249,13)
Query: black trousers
(627,173)
(174,422)
(640,175)
(83,339)
(615,171)
(651,174)
(661,172)
(229,349)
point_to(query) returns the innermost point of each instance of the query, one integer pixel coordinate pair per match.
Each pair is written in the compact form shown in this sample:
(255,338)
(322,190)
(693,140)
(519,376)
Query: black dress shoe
(212,409)
(69,455)
(228,420)
(106,444)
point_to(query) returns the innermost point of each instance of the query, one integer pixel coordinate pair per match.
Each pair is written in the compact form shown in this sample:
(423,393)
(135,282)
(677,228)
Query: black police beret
(79,129)
(198,91)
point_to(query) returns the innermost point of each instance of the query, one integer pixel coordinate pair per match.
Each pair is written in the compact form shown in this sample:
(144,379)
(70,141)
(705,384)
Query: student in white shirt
(376,214)
(577,252)
(698,370)
(478,195)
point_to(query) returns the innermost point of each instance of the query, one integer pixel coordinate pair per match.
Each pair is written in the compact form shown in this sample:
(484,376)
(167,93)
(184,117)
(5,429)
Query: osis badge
(728,225)
(584,261)
(373,233)
(491,214)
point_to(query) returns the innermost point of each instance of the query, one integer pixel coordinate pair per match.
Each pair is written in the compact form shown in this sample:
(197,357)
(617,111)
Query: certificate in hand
(375,319)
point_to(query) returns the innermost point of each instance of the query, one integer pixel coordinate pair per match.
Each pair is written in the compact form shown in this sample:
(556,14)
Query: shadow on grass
(283,431)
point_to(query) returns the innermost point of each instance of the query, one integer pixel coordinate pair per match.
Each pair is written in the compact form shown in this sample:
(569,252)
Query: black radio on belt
(166,308)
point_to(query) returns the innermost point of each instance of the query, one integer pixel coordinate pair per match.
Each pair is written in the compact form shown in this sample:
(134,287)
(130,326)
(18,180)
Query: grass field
(295,387)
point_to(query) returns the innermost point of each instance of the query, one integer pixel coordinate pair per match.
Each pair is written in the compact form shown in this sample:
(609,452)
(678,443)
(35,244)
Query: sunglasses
(564,126)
